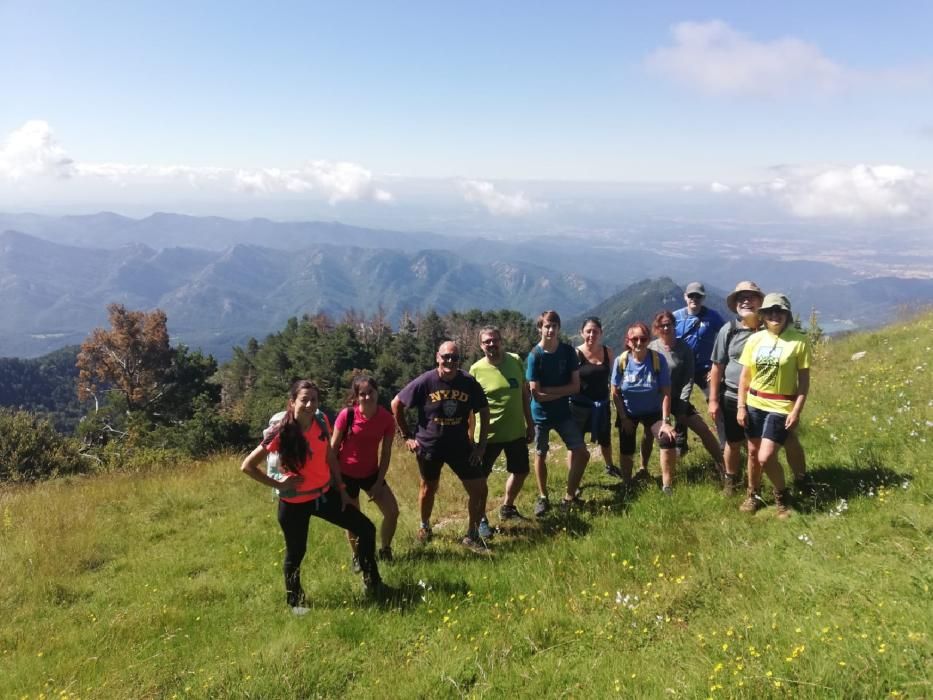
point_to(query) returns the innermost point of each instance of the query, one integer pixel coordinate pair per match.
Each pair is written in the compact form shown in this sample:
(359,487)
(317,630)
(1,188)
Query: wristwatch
(669,420)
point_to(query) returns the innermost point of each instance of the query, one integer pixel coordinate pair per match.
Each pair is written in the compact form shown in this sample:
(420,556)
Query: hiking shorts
(727,425)
(627,440)
(568,431)
(356,484)
(516,456)
(765,424)
(582,416)
(460,465)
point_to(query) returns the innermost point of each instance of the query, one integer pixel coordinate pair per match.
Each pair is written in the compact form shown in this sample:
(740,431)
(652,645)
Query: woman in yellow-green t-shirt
(772,392)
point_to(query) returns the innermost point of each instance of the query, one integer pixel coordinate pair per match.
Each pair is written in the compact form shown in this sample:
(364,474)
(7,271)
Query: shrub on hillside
(30,449)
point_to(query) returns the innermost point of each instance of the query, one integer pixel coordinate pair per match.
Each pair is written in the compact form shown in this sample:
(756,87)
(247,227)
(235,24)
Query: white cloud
(855,192)
(719,188)
(342,181)
(31,151)
(485,194)
(717,59)
(860,192)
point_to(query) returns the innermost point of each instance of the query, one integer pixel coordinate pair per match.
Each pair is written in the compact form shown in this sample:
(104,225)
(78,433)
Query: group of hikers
(752,370)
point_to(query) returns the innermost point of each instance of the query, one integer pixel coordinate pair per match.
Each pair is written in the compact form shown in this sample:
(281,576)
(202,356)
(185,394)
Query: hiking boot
(782,504)
(804,485)
(484,531)
(752,504)
(667,491)
(425,535)
(542,506)
(355,564)
(510,513)
(730,484)
(474,544)
(642,475)
(385,554)
(614,472)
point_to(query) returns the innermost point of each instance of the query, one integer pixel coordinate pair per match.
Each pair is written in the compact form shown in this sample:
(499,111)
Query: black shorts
(627,440)
(516,456)
(430,466)
(582,417)
(356,484)
(765,424)
(727,426)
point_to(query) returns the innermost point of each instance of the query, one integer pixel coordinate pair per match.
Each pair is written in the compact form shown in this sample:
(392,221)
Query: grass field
(168,583)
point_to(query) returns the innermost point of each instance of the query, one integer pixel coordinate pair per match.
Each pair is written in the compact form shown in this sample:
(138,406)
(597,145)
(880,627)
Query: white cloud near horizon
(717,59)
(857,192)
(497,203)
(32,152)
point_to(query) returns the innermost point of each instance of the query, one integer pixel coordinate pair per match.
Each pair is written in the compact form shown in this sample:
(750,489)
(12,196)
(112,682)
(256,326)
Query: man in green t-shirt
(511,429)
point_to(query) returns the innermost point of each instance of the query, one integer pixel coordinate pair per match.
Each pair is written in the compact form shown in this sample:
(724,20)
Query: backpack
(351,419)
(655,364)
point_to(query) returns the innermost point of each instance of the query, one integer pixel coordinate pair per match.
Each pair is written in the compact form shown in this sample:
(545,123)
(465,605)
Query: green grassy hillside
(168,583)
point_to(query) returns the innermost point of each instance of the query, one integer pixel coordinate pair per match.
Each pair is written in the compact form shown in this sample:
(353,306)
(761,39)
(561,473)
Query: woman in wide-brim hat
(773,389)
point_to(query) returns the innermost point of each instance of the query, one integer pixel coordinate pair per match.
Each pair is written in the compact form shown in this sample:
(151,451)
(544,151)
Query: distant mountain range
(53,295)
(222,281)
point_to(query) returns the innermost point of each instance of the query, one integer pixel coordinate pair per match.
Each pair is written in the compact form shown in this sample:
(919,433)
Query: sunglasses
(772,311)
(665,326)
(695,297)
(490,341)
(638,339)
(450,357)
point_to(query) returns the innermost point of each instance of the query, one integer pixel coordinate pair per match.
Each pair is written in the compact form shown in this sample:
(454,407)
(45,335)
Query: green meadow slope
(167,583)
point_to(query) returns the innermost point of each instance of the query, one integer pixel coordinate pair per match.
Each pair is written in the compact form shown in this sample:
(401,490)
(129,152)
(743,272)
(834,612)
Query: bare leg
(388,505)
(668,464)
(541,472)
(767,457)
(699,426)
(754,465)
(647,444)
(512,488)
(732,453)
(578,461)
(796,458)
(426,498)
(476,493)
(607,453)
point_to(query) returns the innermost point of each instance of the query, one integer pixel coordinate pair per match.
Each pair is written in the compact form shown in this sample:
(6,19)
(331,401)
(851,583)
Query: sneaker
(542,506)
(299,610)
(484,531)
(510,513)
(355,565)
(730,484)
(782,504)
(385,554)
(474,544)
(641,475)
(614,471)
(425,535)
(667,491)
(752,504)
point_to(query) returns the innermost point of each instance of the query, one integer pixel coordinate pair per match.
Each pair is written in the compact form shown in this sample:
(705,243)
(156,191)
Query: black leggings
(294,518)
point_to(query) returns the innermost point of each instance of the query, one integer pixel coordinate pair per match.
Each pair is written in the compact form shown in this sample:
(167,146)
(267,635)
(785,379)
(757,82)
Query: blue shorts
(765,424)
(568,431)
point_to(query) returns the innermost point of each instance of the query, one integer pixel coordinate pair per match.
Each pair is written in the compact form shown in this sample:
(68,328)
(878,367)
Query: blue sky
(824,108)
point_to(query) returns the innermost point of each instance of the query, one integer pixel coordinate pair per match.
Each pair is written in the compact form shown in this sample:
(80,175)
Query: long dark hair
(358,381)
(293,447)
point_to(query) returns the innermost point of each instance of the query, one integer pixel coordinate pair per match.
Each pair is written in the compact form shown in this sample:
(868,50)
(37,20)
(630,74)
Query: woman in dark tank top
(591,407)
